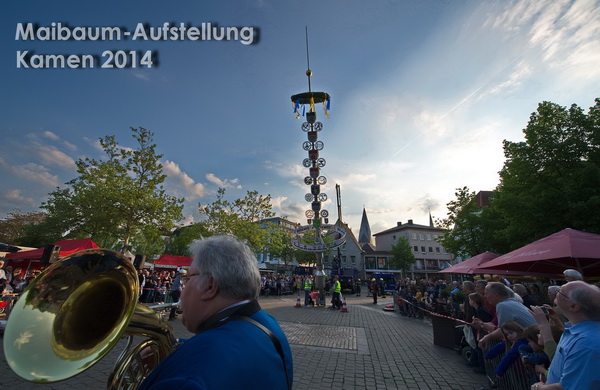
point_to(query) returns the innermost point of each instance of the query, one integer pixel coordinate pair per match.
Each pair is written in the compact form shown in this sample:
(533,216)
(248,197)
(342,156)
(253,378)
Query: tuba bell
(74,312)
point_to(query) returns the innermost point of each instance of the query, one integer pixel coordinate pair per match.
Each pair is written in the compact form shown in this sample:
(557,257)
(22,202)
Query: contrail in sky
(464,100)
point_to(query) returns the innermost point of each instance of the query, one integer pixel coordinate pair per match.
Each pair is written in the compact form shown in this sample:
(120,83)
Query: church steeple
(364,234)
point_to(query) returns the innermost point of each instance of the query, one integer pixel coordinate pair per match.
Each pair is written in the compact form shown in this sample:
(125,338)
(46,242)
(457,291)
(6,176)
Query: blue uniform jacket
(236,355)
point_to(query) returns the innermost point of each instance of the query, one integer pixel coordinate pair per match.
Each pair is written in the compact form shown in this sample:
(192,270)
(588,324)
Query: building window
(353,259)
(421,237)
(423,249)
(428,237)
(414,236)
(437,249)
(430,250)
(416,248)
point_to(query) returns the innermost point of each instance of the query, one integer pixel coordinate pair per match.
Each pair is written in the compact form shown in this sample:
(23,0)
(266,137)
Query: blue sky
(423,93)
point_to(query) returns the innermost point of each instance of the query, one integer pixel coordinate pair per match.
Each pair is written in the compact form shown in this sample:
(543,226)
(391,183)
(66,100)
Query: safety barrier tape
(435,314)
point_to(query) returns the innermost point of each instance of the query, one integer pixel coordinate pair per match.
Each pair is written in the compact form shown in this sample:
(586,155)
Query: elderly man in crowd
(522,291)
(237,345)
(575,365)
(572,275)
(508,308)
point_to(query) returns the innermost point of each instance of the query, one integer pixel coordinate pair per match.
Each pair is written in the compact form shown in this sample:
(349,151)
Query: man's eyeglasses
(186,278)
(563,294)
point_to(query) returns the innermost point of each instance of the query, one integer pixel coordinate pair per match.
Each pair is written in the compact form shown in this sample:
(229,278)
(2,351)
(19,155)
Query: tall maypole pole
(318,235)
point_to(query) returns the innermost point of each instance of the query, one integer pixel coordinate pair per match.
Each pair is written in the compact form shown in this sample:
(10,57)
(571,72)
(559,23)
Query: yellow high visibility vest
(337,287)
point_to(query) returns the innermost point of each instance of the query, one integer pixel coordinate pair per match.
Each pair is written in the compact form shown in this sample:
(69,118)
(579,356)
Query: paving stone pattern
(366,348)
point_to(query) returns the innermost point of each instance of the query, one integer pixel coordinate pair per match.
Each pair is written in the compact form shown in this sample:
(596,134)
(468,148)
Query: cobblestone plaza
(366,348)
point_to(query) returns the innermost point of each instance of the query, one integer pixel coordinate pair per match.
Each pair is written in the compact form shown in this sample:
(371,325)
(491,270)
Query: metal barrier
(517,377)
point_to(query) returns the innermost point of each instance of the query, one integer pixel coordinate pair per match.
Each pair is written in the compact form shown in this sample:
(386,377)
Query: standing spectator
(480,289)
(552,294)
(575,363)
(176,292)
(507,309)
(337,289)
(3,279)
(522,291)
(374,290)
(468,311)
(307,289)
(536,294)
(357,287)
(572,275)
(476,302)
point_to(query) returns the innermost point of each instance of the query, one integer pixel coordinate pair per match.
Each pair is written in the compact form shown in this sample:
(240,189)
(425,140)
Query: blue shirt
(512,310)
(576,363)
(236,355)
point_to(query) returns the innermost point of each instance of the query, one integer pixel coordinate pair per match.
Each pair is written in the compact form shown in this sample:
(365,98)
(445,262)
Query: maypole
(318,235)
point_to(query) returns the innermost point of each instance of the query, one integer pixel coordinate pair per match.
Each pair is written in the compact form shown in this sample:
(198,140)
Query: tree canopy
(549,182)
(115,199)
(239,218)
(402,255)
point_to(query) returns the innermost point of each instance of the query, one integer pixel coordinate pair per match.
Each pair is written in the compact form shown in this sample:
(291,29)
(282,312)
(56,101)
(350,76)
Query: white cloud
(514,81)
(287,170)
(189,186)
(15,197)
(52,156)
(32,172)
(51,135)
(223,183)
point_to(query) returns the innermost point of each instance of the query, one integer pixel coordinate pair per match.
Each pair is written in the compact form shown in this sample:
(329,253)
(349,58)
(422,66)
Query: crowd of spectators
(527,335)
(14,281)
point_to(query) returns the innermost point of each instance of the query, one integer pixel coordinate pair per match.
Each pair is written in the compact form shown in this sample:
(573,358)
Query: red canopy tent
(172,261)
(67,247)
(470,266)
(550,256)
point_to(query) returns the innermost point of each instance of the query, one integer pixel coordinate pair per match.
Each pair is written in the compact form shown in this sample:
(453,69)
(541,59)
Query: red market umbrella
(550,256)
(172,261)
(470,266)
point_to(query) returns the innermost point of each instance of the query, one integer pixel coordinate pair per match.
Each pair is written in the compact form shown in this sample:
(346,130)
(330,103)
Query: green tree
(239,218)
(469,229)
(12,227)
(402,255)
(182,237)
(117,198)
(551,181)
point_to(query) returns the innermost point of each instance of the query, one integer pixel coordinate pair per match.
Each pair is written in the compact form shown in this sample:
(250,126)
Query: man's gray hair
(500,289)
(520,289)
(588,300)
(469,285)
(573,273)
(553,289)
(231,263)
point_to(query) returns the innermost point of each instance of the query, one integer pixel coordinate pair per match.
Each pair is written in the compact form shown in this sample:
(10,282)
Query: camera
(545,310)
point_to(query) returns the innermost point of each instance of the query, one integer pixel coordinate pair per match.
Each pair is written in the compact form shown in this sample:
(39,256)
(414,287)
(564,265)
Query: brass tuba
(74,312)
